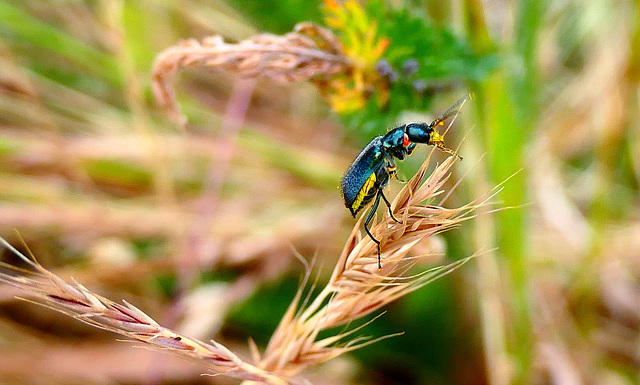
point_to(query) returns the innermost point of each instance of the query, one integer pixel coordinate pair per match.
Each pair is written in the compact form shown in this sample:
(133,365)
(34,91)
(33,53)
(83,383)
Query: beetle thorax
(395,142)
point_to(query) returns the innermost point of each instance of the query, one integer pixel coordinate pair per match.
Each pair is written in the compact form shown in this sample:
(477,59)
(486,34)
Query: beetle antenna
(456,108)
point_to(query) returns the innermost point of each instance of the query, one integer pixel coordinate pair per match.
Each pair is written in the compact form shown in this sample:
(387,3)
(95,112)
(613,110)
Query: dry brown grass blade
(75,300)
(357,288)
(308,53)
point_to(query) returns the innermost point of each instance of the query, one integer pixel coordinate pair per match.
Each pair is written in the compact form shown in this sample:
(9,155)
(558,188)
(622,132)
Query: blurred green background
(199,228)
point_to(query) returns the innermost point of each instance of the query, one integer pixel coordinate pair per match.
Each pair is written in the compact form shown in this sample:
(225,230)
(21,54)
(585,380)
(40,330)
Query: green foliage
(147,248)
(443,59)
(432,337)
(34,34)
(259,315)
(279,16)
(7,147)
(125,173)
(167,284)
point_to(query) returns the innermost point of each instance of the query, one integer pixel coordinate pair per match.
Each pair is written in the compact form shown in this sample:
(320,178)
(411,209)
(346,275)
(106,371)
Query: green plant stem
(507,109)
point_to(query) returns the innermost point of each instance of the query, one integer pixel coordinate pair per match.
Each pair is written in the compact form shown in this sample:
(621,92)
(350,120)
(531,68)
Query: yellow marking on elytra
(368,184)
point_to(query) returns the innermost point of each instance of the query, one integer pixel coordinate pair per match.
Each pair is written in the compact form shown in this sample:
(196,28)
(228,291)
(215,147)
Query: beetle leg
(442,148)
(391,169)
(372,212)
(388,206)
(395,174)
(410,148)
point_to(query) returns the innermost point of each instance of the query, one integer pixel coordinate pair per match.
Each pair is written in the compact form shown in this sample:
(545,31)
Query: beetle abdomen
(366,193)
(359,183)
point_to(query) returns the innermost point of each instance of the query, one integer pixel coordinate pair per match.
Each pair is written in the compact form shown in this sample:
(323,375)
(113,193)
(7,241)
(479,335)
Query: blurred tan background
(200,227)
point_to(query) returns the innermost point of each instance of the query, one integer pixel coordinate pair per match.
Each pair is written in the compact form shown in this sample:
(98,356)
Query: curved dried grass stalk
(309,52)
(356,289)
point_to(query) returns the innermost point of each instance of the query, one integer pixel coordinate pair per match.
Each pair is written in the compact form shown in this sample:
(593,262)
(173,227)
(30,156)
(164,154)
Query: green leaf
(19,26)
(444,60)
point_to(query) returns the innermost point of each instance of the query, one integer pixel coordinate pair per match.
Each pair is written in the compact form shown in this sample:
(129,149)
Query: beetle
(370,172)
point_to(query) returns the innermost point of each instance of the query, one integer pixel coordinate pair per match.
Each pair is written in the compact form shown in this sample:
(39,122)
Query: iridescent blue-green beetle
(374,166)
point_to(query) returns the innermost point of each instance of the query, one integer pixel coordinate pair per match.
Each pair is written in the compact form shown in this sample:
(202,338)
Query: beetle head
(426,133)
(419,132)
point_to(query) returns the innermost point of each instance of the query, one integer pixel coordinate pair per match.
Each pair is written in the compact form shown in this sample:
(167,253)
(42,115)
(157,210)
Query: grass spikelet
(76,301)
(357,287)
(310,52)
